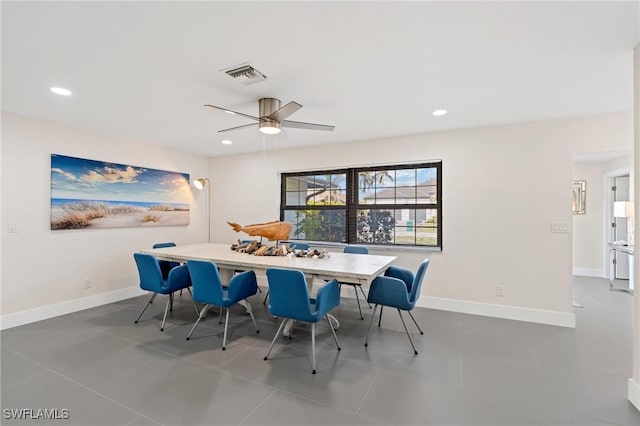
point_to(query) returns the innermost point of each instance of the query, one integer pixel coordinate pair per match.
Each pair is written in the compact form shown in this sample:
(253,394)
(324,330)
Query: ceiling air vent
(246,73)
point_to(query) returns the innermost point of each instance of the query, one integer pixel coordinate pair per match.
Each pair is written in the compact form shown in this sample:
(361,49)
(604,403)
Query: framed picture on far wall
(579,196)
(90,194)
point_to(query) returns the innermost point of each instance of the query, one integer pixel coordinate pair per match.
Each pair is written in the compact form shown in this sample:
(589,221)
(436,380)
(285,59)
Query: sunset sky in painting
(83,179)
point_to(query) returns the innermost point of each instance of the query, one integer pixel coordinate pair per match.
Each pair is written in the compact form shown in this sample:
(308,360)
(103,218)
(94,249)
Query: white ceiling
(144,70)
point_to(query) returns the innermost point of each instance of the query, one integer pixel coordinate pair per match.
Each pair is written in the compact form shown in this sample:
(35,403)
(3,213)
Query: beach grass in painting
(95,194)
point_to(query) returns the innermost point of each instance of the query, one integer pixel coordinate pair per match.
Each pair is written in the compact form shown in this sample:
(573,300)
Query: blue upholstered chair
(295,246)
(398,288)
(290,300)
(357,250)
(165,265)
(208,289)
(151,279)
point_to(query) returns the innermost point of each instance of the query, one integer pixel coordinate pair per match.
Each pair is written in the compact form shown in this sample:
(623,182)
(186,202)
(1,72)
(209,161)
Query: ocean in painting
(61,202)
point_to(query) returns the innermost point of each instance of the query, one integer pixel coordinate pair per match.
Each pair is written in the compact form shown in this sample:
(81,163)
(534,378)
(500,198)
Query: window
(397,205)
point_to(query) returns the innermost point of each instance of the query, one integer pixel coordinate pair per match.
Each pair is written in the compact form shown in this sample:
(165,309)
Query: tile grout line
(85,387)
(112,378)
(144,417)
(533,354)
(273,390)
(329,406)
(459,369)
(367,392)
(22,380)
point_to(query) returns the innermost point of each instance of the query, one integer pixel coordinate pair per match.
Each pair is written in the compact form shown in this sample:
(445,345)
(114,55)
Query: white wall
(503,186)
(41,267)
(588,239)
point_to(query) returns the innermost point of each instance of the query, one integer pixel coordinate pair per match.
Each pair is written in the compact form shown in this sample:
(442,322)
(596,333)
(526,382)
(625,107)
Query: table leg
(226,274)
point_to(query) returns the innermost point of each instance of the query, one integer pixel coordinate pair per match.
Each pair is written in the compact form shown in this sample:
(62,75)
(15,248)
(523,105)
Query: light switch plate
(12,227)
(560,227)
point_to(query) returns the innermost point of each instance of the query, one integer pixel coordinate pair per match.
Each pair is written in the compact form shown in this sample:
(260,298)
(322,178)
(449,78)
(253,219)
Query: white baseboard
(562,319)
(586,272)
(634,393)
(49,311)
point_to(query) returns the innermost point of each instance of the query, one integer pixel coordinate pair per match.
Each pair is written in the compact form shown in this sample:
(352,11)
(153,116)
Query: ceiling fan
(272,117)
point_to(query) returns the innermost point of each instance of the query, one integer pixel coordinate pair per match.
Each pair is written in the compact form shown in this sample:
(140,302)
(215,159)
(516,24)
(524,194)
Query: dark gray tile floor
(471,370)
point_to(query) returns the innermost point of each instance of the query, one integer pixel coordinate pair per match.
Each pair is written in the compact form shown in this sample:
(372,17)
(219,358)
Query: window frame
(353,203)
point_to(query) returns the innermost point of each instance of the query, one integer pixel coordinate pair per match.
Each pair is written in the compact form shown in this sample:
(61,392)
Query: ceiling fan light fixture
(270,127)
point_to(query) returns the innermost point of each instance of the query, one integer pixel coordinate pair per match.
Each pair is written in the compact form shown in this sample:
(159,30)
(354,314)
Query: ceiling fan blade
(238,127)
(308,126)
(285,111)
(234,112)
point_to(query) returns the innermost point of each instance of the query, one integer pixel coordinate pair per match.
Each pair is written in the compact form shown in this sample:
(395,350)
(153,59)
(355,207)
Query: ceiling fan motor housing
(267,106)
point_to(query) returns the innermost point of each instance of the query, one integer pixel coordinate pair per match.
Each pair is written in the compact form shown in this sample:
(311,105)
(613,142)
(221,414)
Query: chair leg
(193,301)
(380,318)
(407,331)
(252,317)
(221,312)
(266,296)
(203,312)
(364,296)
(415,322)
(313,345)
(274,339)
(171,299)
(226,325)
(335,338)
(166,309)
(358,300)
(373,315)
(153,296)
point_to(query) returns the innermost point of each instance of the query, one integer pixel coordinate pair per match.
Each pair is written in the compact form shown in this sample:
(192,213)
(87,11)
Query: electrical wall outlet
(560,227)
(12,227)
(88,283)
(500,290)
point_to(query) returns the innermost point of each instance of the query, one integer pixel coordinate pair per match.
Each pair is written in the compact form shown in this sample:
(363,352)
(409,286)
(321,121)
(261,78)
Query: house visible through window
(383,205)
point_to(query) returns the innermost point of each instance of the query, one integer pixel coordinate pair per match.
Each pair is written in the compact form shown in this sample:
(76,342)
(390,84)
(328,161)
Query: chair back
(414,291)
(356,249)
(299,246)
(165,265)
(163,245)
(149,272)
(288,294)
(206,282)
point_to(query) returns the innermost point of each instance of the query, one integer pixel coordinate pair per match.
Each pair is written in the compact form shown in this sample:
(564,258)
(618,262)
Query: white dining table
(345,267)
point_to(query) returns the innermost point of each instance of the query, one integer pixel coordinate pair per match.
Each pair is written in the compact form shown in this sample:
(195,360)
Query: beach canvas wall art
(90,194)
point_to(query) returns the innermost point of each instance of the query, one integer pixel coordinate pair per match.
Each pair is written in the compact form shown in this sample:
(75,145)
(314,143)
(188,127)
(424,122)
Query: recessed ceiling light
(439,112)
(61,91)
(229,112)
(227,142)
